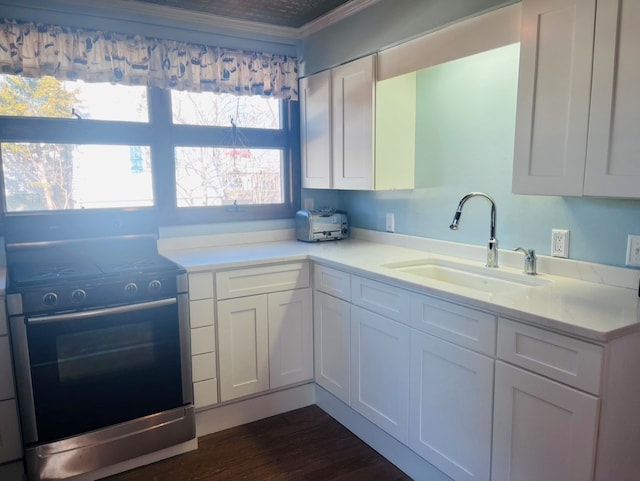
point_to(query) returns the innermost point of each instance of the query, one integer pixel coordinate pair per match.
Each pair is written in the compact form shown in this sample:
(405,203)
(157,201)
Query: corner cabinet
(265,328)
(578,111)
(331,331)
(340,144)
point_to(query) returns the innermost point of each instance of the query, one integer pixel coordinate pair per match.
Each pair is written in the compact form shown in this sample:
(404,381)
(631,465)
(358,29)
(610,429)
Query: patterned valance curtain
(36,50)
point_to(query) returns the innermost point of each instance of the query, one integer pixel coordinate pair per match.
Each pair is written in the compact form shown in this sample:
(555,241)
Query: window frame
(162,135)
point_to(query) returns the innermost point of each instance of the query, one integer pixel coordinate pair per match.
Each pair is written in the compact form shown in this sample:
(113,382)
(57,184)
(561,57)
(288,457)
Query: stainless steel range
(99,327)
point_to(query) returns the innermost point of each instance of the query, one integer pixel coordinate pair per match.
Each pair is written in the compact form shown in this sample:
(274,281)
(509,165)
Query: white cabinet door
(613,155)
(353,95)
(451,407)
(332,344)
(315,130)
(553,96)
(243,346)
(380,371)
(542,430)
(290,337)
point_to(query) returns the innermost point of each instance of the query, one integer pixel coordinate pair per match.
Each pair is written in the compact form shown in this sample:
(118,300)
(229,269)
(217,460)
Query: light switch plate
(391,222)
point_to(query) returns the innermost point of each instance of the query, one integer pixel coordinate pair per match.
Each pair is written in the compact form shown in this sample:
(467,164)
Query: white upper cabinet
(613,154)
(553,96)
(578,110)
(353,116)
(315,130)
(354,137)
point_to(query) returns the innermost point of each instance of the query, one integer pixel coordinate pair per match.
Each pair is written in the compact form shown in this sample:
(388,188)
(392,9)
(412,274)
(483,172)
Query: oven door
(93,369)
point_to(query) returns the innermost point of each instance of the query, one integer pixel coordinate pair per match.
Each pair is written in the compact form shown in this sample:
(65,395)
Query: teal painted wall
(465,131)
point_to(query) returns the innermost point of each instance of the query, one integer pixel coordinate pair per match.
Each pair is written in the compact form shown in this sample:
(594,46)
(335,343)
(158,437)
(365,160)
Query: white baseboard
(389,447)
(253,409)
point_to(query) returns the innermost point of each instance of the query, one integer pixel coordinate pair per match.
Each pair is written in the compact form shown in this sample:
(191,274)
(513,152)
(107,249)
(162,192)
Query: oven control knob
(130,289)
(155,286)
(50,299)
(78,295)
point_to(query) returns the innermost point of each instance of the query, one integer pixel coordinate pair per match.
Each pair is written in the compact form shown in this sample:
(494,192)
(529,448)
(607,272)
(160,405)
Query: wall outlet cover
(560,243)
(633,250)
(308,203)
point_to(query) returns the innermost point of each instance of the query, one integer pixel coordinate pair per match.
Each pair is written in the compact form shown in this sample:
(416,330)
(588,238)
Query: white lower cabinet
(290,337)
(380,371)
(331,326)
(244,346)
(203,339)
(451,405)
(543,430)
(434,375)
(265,342)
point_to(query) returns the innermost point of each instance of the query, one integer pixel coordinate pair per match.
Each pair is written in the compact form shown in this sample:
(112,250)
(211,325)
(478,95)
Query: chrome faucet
(492,245)
(529,260)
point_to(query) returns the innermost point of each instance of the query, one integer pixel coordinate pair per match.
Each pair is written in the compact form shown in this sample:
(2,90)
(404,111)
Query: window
(196,157)
(50,177)
(207,108)
(48,97)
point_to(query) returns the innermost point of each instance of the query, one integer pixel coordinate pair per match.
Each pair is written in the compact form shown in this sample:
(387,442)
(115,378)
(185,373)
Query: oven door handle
(74,316)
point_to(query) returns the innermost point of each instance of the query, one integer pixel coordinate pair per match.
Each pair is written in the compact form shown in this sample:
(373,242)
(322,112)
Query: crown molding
(346,10)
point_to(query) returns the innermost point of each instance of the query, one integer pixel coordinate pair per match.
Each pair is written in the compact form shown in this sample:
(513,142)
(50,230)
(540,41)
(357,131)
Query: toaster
(321,225)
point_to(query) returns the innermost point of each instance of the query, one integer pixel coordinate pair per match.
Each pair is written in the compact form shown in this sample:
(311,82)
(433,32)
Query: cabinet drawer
(200,285)
(205,393)
(203,340)
(573,362)
(201,313)
(384,299)
(10,444)
(461,325)
(262,280)
(332,281)
(204,366)
(6,375)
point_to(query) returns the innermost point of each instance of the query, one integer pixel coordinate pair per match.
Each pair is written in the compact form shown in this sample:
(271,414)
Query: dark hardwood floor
(305,444)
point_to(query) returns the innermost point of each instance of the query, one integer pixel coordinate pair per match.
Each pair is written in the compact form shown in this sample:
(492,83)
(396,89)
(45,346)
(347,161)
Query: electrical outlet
(391,222)
(633,250)
(308,203)
(560,243)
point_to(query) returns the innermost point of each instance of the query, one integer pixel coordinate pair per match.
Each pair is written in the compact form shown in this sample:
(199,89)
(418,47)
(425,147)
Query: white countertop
(590,310)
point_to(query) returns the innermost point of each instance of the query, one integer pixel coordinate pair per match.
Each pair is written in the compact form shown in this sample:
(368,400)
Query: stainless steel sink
(469,276)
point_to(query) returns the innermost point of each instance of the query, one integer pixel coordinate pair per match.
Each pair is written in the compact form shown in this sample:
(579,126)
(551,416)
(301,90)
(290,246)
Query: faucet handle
(529,260)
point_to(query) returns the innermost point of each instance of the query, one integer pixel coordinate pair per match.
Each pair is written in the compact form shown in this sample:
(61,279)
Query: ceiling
(283,13)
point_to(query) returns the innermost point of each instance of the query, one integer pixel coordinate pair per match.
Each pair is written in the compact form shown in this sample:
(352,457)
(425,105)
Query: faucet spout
(492,245)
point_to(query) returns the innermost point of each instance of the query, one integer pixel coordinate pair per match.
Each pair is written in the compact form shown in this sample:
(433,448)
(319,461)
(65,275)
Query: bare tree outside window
(234,174)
